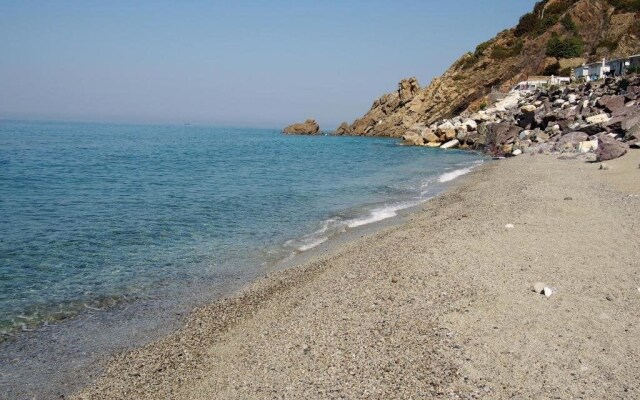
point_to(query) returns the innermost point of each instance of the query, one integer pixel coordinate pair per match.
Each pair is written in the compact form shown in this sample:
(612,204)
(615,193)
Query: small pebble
(548,291)
(604,166)
(538,287)
(509,226)
(568,198)
(610,297)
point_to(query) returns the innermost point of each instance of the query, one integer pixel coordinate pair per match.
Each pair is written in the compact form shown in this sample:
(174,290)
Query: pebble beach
(441,306)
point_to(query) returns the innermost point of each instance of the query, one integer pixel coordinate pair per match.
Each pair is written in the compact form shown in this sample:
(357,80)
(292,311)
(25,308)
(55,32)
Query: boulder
(570,141)
(587,146)
(412,139)
(609,148)
(611,103)
(343,129)
(429,136)
(309,127)
(450,144)
(597,119)
(447,134)
(407,89)
(470,124)
(432,144)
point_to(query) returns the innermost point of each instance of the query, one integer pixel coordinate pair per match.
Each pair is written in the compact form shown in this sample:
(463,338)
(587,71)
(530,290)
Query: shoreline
(83,344)
(440,305)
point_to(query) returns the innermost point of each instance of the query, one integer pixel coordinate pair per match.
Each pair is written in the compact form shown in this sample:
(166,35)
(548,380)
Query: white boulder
(451,144)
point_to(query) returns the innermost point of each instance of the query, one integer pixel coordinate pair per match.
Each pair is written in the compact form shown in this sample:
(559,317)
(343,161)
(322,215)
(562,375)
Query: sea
(96,215)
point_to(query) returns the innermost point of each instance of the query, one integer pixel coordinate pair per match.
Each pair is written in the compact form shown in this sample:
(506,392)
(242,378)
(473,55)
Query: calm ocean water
(94,214)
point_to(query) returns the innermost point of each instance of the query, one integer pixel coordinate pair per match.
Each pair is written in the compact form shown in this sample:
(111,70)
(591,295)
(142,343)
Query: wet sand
(440,306)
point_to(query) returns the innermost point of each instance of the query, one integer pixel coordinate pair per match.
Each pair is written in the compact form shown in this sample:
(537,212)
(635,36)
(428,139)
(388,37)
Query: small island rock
(308,127)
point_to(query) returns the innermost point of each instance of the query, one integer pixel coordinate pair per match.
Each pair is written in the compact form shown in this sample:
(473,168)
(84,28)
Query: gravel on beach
(441,306)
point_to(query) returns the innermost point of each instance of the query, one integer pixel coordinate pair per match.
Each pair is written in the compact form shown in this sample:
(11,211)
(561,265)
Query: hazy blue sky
(248,63)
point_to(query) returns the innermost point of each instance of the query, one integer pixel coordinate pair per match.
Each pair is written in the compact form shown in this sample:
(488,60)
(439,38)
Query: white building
(593,71)
(599,70)
(535,82)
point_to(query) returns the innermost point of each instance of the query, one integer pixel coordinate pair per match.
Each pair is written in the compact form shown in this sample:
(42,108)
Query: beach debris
(538,287)
(542,288)
(509,226)
(604,166)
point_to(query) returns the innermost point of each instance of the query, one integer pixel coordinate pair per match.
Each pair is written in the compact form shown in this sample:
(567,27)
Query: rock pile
(308,127)
(596,117)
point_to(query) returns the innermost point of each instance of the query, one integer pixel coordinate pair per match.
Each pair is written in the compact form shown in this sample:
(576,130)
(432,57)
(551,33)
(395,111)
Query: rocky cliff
(556,36)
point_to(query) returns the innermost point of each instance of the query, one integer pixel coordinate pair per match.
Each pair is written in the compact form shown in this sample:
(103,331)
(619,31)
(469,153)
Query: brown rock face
(309,127)
(407,89)
(504,61)
(609,148)
(343,129)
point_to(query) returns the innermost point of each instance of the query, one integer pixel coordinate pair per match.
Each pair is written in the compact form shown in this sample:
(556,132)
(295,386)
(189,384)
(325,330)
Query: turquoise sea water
(94,214)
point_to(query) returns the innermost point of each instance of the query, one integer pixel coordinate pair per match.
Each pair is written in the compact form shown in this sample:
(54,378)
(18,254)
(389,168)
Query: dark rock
(527,120)
(609,148)
(611,103)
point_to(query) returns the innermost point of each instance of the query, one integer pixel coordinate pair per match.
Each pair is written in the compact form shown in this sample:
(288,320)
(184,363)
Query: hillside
(556,36)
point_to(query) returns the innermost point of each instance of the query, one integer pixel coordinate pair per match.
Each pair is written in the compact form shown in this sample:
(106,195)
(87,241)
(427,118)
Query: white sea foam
(313,244)
(449,176)
(379,214)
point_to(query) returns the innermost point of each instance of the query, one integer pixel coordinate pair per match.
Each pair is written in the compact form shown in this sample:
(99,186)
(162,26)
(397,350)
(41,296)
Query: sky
(240,63)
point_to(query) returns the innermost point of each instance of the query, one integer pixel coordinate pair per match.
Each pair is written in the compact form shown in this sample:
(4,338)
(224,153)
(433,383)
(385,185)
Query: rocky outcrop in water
(309,127)
(599,117)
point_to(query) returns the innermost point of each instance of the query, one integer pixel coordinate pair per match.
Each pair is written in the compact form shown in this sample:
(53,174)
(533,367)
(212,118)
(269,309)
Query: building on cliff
(537,82)
(601,69)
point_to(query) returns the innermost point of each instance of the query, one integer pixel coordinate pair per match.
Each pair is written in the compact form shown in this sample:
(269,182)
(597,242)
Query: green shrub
(543,17)
(565,48)
(480,49)
(527,24)
(502,52)
(634,69)
(626,5)
(611,45)
(467,61)
(568,23)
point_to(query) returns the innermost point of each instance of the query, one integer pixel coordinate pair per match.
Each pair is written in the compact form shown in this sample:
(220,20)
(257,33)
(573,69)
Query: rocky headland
(308,127)
(555,37)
